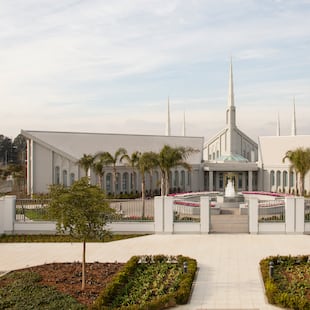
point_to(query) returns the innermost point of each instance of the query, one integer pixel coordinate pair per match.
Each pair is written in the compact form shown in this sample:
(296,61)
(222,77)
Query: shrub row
(179,295)
(289,286)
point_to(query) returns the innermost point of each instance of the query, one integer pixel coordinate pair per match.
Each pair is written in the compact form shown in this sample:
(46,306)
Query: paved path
(228,277)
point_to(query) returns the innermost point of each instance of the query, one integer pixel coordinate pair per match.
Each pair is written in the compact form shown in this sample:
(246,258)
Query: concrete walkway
(228,276)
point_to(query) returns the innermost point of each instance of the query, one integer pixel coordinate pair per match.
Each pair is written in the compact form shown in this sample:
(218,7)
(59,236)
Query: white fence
(295,218)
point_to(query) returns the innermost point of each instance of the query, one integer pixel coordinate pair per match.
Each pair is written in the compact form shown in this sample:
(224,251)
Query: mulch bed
(67,278)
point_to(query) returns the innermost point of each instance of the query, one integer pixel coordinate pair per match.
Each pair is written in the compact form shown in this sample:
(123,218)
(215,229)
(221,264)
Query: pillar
(253,215)
(205,214)
(159,214)
(290,214)
(250,180)
(299,215)
(210,181)
(168,214)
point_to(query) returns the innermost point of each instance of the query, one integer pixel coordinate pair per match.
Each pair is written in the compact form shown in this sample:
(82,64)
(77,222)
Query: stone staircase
(229,222)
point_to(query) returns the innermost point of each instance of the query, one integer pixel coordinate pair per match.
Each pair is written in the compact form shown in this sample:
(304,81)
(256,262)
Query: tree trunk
(302,184)
(143,195)
(114,181)
(83,265)
(162,184)
(167,183)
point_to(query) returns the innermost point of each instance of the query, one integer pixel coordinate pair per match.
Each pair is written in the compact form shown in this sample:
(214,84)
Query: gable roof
(74,144)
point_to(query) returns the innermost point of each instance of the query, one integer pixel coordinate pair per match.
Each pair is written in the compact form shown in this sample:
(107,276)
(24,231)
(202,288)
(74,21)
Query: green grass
(290,285)
(22,291)
(58,238)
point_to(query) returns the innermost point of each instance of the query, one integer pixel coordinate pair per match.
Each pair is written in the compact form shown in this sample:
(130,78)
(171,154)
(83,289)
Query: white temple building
(52,158)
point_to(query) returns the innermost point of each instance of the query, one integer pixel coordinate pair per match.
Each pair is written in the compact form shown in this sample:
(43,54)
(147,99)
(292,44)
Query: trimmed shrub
(164,284)
(289,286)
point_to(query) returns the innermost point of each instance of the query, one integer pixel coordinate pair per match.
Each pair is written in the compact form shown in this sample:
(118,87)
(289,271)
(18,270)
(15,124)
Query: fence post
(168,214)
(289,214)
(300,215)
(159,214)
(7,214)
(253,215)
(204,214)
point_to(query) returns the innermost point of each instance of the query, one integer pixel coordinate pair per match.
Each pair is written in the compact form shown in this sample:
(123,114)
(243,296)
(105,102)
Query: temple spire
(231,110)
(294,119)
(278,126)
(231,100)
(168,129)
(184,126)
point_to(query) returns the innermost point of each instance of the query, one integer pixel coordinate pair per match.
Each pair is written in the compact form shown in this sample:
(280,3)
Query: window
(221,180)
(72,177)
(182,178)
(240,180)
(278,178)
(272,180)
(108,182)
(176,178)
(57,175)
(64,178)
(292,179)
(285,178)
(117,182)
(125,182)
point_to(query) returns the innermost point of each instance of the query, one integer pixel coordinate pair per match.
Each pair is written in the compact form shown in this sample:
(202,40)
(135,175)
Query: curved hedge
(289,286)
(165,284)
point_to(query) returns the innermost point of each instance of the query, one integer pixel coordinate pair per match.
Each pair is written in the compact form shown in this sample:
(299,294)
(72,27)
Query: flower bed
(289,285)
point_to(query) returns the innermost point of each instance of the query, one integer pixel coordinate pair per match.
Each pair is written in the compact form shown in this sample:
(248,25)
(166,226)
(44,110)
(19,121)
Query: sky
(110,66)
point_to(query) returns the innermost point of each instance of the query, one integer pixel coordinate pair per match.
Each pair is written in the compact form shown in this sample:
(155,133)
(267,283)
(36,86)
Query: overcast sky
(109,66)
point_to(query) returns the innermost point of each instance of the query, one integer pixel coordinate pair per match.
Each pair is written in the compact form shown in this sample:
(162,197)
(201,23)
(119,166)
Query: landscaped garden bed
(287,281)
(147,282)
(60,238)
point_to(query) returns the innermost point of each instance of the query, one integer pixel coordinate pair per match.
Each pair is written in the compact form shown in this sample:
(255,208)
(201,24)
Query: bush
(23,291)
(164,284)
(290,284)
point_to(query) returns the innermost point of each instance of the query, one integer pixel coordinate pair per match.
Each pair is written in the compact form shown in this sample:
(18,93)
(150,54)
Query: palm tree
(147,162)
(98,169)
(108,159)
(86,162)
(170,157)
(300,162)
(132,161)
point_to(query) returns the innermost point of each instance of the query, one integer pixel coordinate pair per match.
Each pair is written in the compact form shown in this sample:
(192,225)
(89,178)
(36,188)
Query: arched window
(72,178)
(272,179)
(278,178)
(182,178)
(57,175)
(284,178)
(117,183)
(65,178)
(108,182)
(292,179)
(125,182)
(176,178)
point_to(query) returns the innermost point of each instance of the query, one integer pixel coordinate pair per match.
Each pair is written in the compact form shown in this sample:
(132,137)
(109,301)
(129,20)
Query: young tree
(132,161)
(170,157)
(109,159)
(81,211)
(300,162)
(86,162)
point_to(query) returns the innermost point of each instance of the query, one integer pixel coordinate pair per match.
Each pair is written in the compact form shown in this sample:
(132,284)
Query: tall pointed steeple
(231,110)
(184,126)
(278,126)
(294,119)
(168,129)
